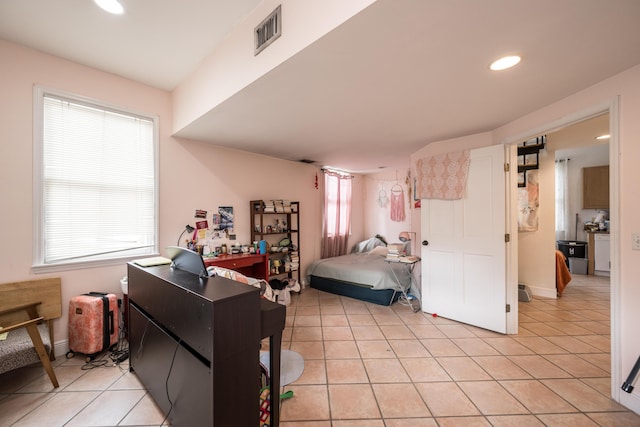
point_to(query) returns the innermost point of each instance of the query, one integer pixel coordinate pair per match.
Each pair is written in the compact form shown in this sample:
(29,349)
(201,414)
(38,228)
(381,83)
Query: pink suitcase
(93,323)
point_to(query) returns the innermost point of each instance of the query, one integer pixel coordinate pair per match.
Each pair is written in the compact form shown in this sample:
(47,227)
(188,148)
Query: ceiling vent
(307,161)
(268,30)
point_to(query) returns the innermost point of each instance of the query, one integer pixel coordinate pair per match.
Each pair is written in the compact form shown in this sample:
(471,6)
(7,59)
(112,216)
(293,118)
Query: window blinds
(98,183)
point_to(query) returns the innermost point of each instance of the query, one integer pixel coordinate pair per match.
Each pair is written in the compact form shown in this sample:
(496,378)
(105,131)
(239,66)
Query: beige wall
(193,175)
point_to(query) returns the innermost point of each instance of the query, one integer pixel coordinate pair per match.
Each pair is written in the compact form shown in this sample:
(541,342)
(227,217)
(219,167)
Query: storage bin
(578,265)
(572,248)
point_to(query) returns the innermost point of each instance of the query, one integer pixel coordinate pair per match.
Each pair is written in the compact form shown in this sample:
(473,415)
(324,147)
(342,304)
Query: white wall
(233,65)
(193,175)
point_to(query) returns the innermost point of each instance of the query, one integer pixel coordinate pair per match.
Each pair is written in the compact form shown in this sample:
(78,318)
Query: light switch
(635,241)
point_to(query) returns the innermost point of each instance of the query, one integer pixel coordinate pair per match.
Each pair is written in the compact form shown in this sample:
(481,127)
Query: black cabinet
(194,343)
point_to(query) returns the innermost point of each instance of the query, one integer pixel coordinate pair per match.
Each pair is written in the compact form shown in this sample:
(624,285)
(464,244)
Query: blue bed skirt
(360,292)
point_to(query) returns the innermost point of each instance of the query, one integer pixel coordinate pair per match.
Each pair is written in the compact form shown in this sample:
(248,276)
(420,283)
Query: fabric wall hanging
(397,203)
(443,176)
(529,203)
(383,199)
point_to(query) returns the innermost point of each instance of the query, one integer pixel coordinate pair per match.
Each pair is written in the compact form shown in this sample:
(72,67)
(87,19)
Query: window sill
(68,266)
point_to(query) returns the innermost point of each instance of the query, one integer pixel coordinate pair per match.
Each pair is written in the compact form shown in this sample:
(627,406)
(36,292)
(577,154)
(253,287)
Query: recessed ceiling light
(603,137)
(111,6)
(505,62)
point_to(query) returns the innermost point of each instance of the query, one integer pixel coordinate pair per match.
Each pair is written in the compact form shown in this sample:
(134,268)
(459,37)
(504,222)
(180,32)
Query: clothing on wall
(397,204)
(529,203)
(443,176)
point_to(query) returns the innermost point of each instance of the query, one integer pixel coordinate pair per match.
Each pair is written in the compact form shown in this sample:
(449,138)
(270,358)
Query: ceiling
(395,77)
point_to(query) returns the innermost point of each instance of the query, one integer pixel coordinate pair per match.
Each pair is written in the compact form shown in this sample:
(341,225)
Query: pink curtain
(336,215)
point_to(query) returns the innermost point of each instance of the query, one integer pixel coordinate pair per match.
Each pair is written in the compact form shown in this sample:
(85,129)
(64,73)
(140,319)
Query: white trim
(511,251)
(614,215)
(612,107)
(39,93)
(631,401)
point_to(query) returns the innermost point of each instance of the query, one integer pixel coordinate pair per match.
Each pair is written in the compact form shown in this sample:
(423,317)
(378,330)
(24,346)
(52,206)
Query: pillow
(367,245)
(378,250)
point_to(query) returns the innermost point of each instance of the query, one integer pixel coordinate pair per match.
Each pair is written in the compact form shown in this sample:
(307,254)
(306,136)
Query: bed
(363,274)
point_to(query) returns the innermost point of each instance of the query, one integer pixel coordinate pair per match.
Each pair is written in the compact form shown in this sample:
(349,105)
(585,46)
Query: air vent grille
(268,30)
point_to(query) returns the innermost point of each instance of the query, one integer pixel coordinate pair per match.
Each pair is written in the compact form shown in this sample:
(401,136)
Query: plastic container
(578,265)
(263,246)
(573,248)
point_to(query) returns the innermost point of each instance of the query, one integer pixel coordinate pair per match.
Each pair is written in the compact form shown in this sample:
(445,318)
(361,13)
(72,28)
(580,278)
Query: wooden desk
(251,265)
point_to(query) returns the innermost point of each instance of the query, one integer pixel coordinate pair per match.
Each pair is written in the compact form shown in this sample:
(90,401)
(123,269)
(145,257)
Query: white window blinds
(97,183)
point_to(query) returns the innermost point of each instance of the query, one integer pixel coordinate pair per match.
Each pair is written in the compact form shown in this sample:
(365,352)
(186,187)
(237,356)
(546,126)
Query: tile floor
(373,366)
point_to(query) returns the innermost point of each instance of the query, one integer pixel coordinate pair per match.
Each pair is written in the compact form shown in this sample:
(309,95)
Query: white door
(464,263)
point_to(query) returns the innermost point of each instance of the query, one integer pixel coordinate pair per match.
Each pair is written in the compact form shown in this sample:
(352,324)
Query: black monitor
(187,260)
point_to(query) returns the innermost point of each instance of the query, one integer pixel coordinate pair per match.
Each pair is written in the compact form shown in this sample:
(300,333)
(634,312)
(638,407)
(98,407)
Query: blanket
(563,276)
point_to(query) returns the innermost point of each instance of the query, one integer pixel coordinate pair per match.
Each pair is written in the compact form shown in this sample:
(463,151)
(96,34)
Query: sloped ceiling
(395,77)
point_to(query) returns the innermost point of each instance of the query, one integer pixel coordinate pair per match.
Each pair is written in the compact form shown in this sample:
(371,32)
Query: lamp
(405,236)
(187,229)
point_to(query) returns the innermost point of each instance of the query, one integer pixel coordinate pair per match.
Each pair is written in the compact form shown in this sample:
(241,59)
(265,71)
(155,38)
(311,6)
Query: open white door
(464,263)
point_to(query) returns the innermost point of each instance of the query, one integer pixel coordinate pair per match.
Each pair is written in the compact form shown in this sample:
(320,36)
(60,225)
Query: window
(338,199)
(95,194)
(337,213)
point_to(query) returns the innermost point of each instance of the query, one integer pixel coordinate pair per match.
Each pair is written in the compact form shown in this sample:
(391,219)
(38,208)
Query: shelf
(261,220)
(530,149)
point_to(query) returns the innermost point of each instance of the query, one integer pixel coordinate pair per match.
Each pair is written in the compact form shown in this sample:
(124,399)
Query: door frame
(611,107)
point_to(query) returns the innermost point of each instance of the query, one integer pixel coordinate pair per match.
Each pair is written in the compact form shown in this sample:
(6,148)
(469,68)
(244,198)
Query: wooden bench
(27,310)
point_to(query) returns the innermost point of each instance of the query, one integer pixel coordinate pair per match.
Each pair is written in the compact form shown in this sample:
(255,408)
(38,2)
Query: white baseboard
(60,348)
(543,292)
(631,401)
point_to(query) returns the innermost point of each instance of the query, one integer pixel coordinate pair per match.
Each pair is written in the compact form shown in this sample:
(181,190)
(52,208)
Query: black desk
(195,345)
(272,323)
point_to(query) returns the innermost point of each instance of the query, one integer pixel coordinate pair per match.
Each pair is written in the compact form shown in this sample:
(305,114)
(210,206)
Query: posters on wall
(529,203)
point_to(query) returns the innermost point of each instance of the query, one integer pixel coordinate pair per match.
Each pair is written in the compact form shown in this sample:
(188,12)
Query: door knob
(425,243)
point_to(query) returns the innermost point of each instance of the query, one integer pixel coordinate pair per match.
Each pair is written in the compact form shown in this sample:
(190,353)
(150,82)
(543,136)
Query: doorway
(603,118)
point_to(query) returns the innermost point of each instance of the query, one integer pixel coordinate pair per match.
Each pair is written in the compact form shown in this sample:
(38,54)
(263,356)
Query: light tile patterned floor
(373,366)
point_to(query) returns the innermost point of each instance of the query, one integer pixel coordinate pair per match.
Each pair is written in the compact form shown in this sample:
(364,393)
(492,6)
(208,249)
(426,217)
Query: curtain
(336,214)
(562,203)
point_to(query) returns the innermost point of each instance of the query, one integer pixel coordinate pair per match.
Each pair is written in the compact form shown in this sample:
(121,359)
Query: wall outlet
(635,241)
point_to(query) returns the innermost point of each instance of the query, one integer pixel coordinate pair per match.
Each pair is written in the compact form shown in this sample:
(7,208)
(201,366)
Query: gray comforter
(363,269)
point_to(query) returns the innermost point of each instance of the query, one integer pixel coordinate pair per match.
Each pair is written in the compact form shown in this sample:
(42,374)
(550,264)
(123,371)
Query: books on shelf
(269,206)
(277,206)
(406,259)
(395,252)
